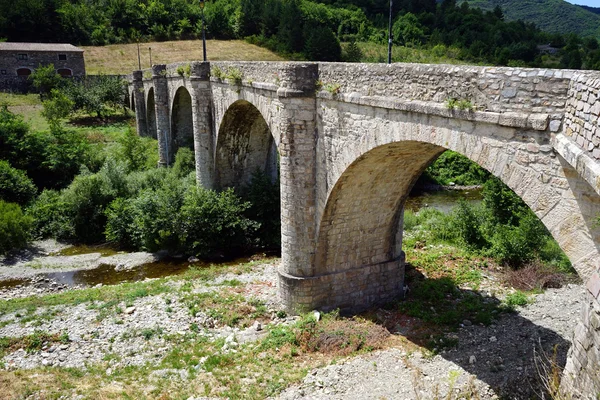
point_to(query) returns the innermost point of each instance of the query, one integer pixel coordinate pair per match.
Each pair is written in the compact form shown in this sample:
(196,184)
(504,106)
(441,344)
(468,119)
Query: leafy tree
(322,45)
(45,79)
(15,186)
(15,227)
(352,52)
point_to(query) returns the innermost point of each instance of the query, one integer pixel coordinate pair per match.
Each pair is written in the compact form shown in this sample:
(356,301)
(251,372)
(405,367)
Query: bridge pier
(140,103)
(161,106)
(202,118)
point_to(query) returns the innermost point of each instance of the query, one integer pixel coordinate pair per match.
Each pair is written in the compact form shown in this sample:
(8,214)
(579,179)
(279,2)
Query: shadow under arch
(182,123)
(151,114)
(245,144)
(130,101)
(361,224)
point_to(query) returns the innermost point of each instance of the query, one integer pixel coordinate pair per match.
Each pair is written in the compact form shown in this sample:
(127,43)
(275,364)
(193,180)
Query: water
(107,275)
(443,200)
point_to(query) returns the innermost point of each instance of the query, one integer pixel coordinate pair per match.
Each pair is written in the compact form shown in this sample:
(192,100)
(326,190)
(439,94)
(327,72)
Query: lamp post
(203,31)
(390,36)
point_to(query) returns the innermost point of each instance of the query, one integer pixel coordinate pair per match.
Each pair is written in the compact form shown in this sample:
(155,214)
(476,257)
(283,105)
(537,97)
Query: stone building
(19,60)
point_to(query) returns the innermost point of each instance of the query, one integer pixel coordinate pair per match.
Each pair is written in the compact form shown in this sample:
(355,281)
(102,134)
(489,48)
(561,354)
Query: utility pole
(203,31)
(390,36)
(139,58)
(150,52)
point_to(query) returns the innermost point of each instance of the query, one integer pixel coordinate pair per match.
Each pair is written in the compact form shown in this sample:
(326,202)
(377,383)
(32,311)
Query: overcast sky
(593,3)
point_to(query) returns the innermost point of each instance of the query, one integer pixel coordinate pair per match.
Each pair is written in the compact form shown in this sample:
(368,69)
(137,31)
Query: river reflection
(443,200)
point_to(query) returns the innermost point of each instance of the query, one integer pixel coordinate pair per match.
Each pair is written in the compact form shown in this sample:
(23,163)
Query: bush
(352,53)
(456,168)
(138,153)
(51,217)
(322,45)
(102,95)
(45,79)
(57,107)
(15,227)
(15,186)
(505,206)
(185,162)
(212,222)
(468,223)
(265,208)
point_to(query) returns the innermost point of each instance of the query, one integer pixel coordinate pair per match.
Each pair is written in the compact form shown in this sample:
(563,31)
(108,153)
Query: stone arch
(151,114)
(358,224)
(244,144)
(182,124)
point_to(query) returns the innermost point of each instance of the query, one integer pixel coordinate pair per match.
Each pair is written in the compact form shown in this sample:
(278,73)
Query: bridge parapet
(497,89)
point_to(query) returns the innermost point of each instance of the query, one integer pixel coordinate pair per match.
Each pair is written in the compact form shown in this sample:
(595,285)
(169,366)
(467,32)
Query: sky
(592,3)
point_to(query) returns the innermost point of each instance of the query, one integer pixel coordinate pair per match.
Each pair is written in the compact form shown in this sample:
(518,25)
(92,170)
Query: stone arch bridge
(352,139)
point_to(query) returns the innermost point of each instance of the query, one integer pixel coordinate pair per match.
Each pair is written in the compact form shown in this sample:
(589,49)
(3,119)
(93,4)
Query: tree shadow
(24,255)
(477,332)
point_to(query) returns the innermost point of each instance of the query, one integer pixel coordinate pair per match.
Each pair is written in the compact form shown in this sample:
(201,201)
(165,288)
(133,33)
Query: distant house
(19,60)
(547,49)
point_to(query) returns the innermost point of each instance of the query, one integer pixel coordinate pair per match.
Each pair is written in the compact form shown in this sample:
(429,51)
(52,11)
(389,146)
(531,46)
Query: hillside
(122,58)
(555,16)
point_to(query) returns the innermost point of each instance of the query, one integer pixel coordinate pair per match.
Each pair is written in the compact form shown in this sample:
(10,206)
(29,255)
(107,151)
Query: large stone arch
(244,144)
(182,123)
(151,113)
(369,159)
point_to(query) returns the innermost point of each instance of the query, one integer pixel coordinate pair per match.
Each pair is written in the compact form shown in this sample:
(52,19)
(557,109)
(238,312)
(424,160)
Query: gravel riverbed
(488,362)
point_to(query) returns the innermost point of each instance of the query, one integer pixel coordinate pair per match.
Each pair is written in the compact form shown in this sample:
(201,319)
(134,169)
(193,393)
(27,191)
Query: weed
(451,103)
(333,88)
(234,76)
(147,75)
(516,298)
(184,70)
(465,105)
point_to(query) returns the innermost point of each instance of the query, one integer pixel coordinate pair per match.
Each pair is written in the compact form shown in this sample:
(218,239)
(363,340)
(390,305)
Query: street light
(203,31)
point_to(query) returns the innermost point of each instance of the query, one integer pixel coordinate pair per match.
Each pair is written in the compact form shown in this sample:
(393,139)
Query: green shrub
(51,216)
(212,222)
(45,79)
(454,167)
(57,107)
(263,196)
(15,186)
(467,223)
(322,45)
(15,227)
(352,53)
(137,152)
(185,162)
(505,206)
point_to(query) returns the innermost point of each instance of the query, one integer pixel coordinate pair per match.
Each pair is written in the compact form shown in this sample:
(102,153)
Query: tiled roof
(15,46)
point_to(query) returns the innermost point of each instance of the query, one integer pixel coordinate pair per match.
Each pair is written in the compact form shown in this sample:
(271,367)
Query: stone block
(593,285)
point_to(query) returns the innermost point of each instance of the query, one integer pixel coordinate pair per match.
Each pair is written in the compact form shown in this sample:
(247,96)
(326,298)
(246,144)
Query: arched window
(64,72)
(23,72)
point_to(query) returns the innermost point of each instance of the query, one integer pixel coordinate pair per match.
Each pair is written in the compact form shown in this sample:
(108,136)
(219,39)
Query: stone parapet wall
(583,111)
(498,89)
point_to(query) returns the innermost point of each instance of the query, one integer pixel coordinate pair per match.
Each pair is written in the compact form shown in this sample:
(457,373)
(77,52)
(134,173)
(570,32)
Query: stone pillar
(581,377)
(202,116)
(297,150)
(140,103)
(161,106)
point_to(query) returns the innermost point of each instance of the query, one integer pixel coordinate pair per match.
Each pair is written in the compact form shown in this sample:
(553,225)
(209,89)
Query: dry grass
(122,58)
(535,276)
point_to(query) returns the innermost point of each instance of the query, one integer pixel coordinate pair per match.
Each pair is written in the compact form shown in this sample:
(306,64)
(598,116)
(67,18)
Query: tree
(322,45)
(45,78)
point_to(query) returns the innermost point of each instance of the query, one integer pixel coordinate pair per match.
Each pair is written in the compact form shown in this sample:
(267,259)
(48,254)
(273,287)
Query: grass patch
(517,298)
(122,58)
(229,308)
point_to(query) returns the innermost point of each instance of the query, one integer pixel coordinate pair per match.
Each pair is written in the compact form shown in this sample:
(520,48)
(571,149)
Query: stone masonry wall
(488,88)
(583,112)
(581,378)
